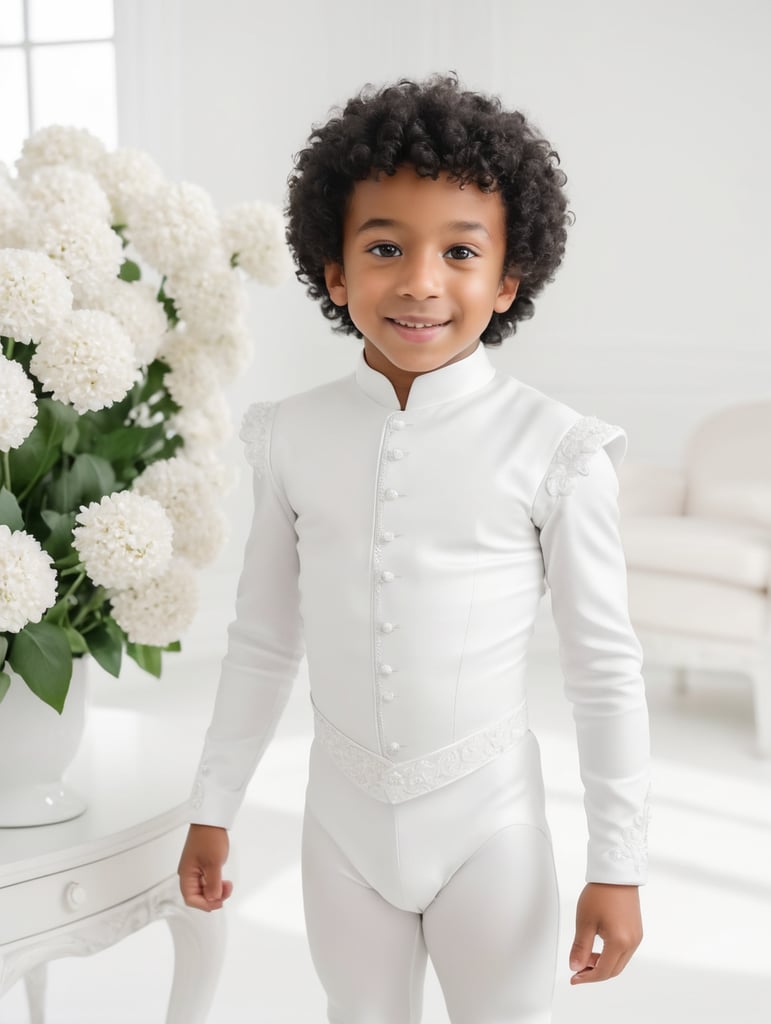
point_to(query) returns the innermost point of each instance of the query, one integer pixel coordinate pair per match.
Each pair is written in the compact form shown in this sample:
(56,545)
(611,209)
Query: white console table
(77,887)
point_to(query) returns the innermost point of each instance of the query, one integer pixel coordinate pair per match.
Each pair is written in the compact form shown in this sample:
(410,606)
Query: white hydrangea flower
(223,477)
(192,373)
(136,308)
(35,295)
(161,612)
(65,185)
(88,361)
(13,213)
(190,500)
(231,350)
(174,227)
(87,249)
(59,144)
(18,407)
(27,580)
(145,415)
(255,234)
(208,296)
(125,540)
(126,174)
(204,425)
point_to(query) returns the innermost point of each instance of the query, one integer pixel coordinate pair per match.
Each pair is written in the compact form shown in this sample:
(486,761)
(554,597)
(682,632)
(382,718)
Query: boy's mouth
(417,330)
(418,324)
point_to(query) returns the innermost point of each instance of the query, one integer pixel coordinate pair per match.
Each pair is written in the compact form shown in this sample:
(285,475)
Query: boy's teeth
(402,323)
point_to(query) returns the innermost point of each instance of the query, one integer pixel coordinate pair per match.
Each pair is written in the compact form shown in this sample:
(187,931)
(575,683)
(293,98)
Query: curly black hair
(436,127)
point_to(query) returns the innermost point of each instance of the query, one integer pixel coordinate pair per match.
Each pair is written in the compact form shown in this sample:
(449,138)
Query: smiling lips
(417,325)
(417,330)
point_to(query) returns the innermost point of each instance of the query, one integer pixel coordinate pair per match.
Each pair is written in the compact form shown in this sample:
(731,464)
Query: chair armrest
(647,488)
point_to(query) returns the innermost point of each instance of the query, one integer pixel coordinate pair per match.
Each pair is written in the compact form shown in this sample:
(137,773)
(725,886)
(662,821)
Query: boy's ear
(507,292)
(335,280)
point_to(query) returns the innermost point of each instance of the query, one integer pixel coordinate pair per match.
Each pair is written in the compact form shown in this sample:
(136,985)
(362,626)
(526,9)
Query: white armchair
(697,542)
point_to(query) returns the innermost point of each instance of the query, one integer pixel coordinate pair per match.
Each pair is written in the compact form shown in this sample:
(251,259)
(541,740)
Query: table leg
(35,984)
(199,949)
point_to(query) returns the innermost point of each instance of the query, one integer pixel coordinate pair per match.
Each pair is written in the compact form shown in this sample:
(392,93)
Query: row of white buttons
(391,494)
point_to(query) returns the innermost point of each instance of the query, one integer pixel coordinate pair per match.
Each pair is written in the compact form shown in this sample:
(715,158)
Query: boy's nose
(421,278)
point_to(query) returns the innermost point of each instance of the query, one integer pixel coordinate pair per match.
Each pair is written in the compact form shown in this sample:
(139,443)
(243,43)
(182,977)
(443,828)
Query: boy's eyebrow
(455,225)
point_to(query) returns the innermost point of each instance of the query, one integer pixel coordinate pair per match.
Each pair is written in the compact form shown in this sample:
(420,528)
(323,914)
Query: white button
(388,696)
(393,747)
(385,670)
(387,627)
(387,576)
(387,536)
(398,424)
(397,453)
(391,494)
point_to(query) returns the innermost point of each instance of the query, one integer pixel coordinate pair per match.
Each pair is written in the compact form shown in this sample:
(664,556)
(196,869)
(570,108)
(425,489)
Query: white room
(655,322)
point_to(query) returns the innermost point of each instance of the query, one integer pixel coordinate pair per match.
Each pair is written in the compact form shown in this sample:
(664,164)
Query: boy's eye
(392,250)
(461,252)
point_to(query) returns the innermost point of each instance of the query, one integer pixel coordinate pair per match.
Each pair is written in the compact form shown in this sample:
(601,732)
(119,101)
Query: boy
(408,518)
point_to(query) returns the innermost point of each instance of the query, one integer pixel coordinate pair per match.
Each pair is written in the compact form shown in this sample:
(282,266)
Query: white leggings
(464,874)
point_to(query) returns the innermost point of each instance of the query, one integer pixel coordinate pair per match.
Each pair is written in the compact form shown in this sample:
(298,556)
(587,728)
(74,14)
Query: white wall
(659,112)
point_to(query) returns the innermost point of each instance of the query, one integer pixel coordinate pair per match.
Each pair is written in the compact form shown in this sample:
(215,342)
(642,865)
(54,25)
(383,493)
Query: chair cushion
(696,607)
(745,501)
(703,549)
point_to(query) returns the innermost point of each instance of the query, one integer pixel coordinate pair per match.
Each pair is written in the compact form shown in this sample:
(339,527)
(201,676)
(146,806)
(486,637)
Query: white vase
(36,747)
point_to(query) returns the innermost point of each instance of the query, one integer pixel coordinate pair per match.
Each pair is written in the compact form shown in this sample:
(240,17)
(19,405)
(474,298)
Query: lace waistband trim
(394,782)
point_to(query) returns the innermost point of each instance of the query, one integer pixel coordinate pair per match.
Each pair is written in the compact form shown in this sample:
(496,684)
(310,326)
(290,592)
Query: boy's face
(423,252)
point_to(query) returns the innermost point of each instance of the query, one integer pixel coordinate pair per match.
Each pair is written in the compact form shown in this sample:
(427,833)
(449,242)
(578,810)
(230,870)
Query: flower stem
(7,470)
(76,583)
(93,602)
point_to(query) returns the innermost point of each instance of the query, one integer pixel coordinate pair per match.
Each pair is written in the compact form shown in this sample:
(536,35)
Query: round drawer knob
(75,896)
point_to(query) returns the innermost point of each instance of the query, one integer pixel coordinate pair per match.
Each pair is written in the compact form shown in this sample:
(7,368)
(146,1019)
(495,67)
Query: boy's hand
(613,913)
(200,867)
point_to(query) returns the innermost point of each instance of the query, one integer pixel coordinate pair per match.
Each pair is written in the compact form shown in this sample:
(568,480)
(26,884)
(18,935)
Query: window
(57,66)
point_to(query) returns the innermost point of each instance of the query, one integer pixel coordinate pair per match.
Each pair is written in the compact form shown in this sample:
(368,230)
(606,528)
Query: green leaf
(58,543)
(70,441)
(10,513)
(32,460)
(175,646)
(88,479)
(76,640)
(147,657)
(129,271)
(5,682)
(40,654)
(105,642)
(127,443)
(156,371)
(3,649)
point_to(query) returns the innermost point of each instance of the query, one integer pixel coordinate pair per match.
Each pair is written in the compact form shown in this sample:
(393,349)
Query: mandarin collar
(440,385)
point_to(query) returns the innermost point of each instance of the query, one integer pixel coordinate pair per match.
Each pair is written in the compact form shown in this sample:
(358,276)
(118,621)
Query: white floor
(706,956)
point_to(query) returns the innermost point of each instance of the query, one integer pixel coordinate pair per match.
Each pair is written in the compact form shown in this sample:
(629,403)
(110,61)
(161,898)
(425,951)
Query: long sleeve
(577,512)
(264,641)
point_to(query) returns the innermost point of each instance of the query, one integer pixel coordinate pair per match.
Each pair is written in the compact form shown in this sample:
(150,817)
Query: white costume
(410,550)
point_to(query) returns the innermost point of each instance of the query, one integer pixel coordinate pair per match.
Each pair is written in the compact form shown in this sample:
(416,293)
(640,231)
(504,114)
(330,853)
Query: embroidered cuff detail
(633,846)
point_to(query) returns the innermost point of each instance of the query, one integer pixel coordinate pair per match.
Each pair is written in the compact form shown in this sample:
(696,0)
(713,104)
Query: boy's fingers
(609,963)
(581,950)
(212,882)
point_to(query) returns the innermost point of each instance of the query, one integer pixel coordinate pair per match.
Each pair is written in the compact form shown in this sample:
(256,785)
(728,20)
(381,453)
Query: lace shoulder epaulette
(573,455)
(254,434)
